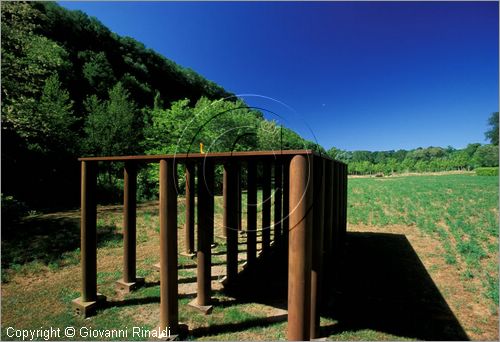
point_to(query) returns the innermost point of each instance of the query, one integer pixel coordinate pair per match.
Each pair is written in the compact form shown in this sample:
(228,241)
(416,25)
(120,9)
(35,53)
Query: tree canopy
(71,87)
(492,133)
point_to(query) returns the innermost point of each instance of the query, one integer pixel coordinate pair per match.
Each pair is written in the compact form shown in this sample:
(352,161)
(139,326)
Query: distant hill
(71,87)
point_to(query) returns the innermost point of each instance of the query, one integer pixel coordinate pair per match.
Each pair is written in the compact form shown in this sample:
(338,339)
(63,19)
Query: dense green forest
(71,87)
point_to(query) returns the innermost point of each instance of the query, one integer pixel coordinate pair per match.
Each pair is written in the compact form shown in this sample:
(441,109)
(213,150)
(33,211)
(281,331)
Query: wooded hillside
(71,87)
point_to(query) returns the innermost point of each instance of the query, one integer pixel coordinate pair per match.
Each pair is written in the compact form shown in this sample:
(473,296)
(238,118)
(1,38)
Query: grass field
(421,263)
(458,215)
(461,211)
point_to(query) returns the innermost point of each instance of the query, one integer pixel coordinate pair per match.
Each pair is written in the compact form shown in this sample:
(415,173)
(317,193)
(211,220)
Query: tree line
(430,159)
(71,87)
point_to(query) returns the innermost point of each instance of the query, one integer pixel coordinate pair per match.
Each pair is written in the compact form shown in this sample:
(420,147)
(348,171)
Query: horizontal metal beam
(182,157)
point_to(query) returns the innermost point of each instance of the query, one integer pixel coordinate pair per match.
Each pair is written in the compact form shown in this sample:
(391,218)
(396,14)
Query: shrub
(487,171)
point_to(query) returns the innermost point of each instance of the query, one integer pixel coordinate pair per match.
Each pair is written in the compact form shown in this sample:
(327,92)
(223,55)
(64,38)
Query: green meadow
(457,215)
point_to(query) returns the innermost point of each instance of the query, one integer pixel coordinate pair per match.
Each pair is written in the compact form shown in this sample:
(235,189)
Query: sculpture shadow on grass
(383,285)
(380,285)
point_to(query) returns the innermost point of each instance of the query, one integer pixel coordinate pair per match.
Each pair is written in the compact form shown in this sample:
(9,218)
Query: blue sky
(358,75)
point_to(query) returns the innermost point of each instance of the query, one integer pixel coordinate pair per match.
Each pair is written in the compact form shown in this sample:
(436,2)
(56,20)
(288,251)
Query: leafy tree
(97,70)
(111,127)
(408,164)
(459,159)
(269,136)
(486,155)
(362,156)
(392,165)
(28,59)
(471,149)
(492,133)
(166,126)
(334,153)
(54,119)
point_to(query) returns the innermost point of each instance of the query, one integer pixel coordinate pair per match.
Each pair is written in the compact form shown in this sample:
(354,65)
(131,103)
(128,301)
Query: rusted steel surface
(88,223)
(317,247)
(252,214)
(205,232)
(336,209)
(344,205)
(231,214)
(266,207)
(190,194)
(328,220)
(168,247)
(278,186)
(286,199)
(240,194)
(214,155)
(224,203)
(129,222)
(300,239)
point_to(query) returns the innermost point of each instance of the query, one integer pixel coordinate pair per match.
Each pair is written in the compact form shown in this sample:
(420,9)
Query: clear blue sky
(363,76)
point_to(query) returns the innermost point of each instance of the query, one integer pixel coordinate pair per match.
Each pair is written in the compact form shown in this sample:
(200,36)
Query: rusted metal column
(205,189)
(339,207)
(336,211)
(210,181)
(240,195)
(251,214)
(90,299)
(278,186)
(317,245)
(88,231)
(344,205)
(266,207)
(300,240)
(231,214)
(224,204)
(129,222)
(328,220)
(190,191)
(286,199)
(169,312)
(129,282)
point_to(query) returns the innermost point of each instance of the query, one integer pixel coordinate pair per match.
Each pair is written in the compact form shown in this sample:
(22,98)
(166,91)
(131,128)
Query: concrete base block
(86,309)
(223,281)
(189,255)
(206,309)
(123,287)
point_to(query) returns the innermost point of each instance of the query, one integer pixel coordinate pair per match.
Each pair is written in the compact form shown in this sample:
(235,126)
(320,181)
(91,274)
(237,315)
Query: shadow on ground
(46,239)
(381,285)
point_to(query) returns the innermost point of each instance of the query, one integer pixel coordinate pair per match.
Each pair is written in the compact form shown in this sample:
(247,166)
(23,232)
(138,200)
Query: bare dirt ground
(437,173)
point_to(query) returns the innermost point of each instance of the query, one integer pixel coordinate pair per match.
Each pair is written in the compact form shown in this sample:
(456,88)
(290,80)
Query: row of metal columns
(316,234)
